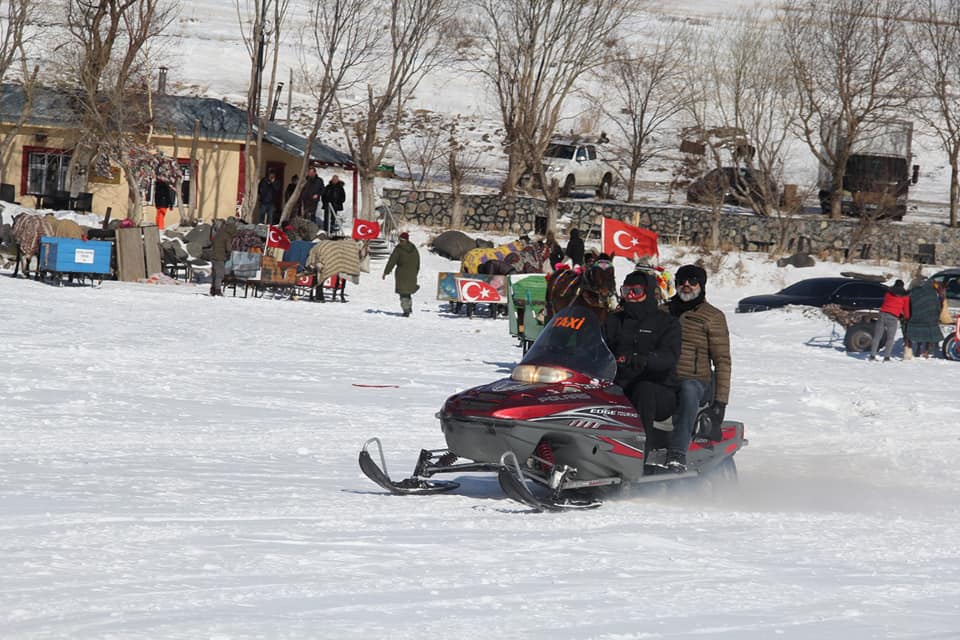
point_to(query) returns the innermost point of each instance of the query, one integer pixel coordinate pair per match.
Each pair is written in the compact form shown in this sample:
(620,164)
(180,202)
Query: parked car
(574,164)
(732,185)
(848,293)
(950,279)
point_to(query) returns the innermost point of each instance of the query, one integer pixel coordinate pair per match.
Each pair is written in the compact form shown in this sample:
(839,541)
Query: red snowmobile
(558,421)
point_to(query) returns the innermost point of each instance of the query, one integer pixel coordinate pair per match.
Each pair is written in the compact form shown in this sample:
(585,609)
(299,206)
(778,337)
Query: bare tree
(536,51)
(462,160)
(936,51)
(14,37)
(266,19)
(421,145)
(338,45)
(647,95)
(107,56)
(850,66)
(415,46)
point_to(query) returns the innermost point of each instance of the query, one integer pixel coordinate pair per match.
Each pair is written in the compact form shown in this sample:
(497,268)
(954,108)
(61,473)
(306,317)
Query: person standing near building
(267,192)
(406,259)
(333,198)
(162,200)
(310,195)
(704,361)
(895,308)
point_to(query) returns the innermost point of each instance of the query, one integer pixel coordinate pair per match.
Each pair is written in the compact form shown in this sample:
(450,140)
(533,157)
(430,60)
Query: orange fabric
(161,214)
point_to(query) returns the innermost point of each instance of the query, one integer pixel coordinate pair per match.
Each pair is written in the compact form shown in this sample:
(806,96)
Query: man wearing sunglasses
(704,358)
(646,343)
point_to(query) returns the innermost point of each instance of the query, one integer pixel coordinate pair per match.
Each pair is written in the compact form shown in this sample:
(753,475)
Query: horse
(594,287)
(27,230)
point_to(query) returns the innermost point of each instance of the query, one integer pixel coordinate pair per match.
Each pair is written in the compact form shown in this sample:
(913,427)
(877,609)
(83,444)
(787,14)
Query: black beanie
(691,271)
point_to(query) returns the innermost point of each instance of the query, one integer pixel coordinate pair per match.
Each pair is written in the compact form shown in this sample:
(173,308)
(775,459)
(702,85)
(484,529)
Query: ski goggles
(634,292)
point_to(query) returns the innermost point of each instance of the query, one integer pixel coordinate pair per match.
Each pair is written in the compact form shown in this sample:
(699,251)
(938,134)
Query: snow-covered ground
(179,466)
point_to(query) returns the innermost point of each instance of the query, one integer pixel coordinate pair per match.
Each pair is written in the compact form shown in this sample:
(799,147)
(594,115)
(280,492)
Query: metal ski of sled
(430,462)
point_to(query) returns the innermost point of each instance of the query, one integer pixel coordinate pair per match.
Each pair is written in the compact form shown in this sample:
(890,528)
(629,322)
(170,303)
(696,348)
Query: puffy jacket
(897,306)
(650,333)
(705,340)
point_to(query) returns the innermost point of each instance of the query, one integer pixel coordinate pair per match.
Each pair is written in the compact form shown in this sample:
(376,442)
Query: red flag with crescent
(365,229)
(627,240)
(277,238)
(477,291)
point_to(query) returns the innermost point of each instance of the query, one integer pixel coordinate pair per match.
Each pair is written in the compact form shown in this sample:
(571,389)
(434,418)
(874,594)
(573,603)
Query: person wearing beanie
(646,343)
(406,259)
(704,362)
(894,310)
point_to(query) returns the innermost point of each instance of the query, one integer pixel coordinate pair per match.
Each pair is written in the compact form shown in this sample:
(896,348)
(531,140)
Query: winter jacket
(553,255)
(223,241)
(334,196)
(641,335)
(705,339)
(924,324)
(575,247)
(311,193)
(162,195)
(897,306)
(267,191)
(406,259)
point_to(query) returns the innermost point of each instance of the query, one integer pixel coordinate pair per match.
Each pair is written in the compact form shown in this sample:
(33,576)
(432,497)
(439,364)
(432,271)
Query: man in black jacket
(333,198)
(646,343)
(267,191)
(311,194)
(575,248)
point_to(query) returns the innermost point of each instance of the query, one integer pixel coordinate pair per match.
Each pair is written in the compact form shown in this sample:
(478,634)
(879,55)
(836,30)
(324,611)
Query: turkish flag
(277,238)
(627,240)
(365,229)
(477,291)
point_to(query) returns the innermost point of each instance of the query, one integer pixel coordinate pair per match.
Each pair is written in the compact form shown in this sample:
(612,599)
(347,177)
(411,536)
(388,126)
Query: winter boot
(676,461)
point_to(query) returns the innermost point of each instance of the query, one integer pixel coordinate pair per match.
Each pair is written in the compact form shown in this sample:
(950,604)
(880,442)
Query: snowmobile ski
(513,483)
(408,486)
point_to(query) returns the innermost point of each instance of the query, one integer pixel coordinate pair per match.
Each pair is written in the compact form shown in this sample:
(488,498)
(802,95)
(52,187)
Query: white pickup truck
(576,164)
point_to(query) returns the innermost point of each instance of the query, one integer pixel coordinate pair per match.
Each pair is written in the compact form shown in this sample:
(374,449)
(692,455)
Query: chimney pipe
(162,82)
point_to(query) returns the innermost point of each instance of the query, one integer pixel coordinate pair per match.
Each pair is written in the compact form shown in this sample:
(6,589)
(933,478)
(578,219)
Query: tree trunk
(954,185)
(836,195)
(367,196)
(134,197)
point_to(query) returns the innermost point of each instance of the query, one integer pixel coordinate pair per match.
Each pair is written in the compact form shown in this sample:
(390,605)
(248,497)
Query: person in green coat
(406,259)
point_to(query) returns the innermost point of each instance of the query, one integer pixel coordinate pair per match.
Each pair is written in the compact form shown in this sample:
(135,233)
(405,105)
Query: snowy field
(178,466)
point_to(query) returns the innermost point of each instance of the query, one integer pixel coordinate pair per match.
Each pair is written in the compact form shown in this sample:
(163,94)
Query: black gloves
(716,413)
(634,361)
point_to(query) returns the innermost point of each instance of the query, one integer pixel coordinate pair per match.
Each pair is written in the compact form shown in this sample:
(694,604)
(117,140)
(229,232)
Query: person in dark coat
(333,198)
(222,243)
(923,328)
(310,196)
(553,254)
(406,259)
(646,343)
(267,191)
(894,310)
(288,192)
(163,197)
(575,248)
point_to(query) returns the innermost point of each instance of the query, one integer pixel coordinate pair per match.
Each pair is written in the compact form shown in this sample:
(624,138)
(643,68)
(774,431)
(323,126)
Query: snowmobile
(558,423)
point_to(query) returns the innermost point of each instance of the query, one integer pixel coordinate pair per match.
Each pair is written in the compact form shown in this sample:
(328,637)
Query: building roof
(219,120)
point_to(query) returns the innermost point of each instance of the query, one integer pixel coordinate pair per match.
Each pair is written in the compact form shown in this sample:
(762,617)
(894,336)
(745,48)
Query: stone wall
(690,225)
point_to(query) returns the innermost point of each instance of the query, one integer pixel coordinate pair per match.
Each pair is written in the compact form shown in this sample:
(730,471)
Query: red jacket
(898,306)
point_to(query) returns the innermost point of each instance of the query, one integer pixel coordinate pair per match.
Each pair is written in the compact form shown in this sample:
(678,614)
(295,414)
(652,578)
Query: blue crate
(66,255)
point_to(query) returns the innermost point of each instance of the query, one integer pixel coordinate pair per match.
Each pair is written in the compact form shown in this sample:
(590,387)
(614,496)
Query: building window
(47,171)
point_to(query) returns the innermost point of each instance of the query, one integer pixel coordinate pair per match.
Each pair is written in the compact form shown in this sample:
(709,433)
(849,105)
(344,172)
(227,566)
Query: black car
(849,293)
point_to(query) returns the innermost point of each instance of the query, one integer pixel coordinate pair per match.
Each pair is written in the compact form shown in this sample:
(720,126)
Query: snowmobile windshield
(572,340)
